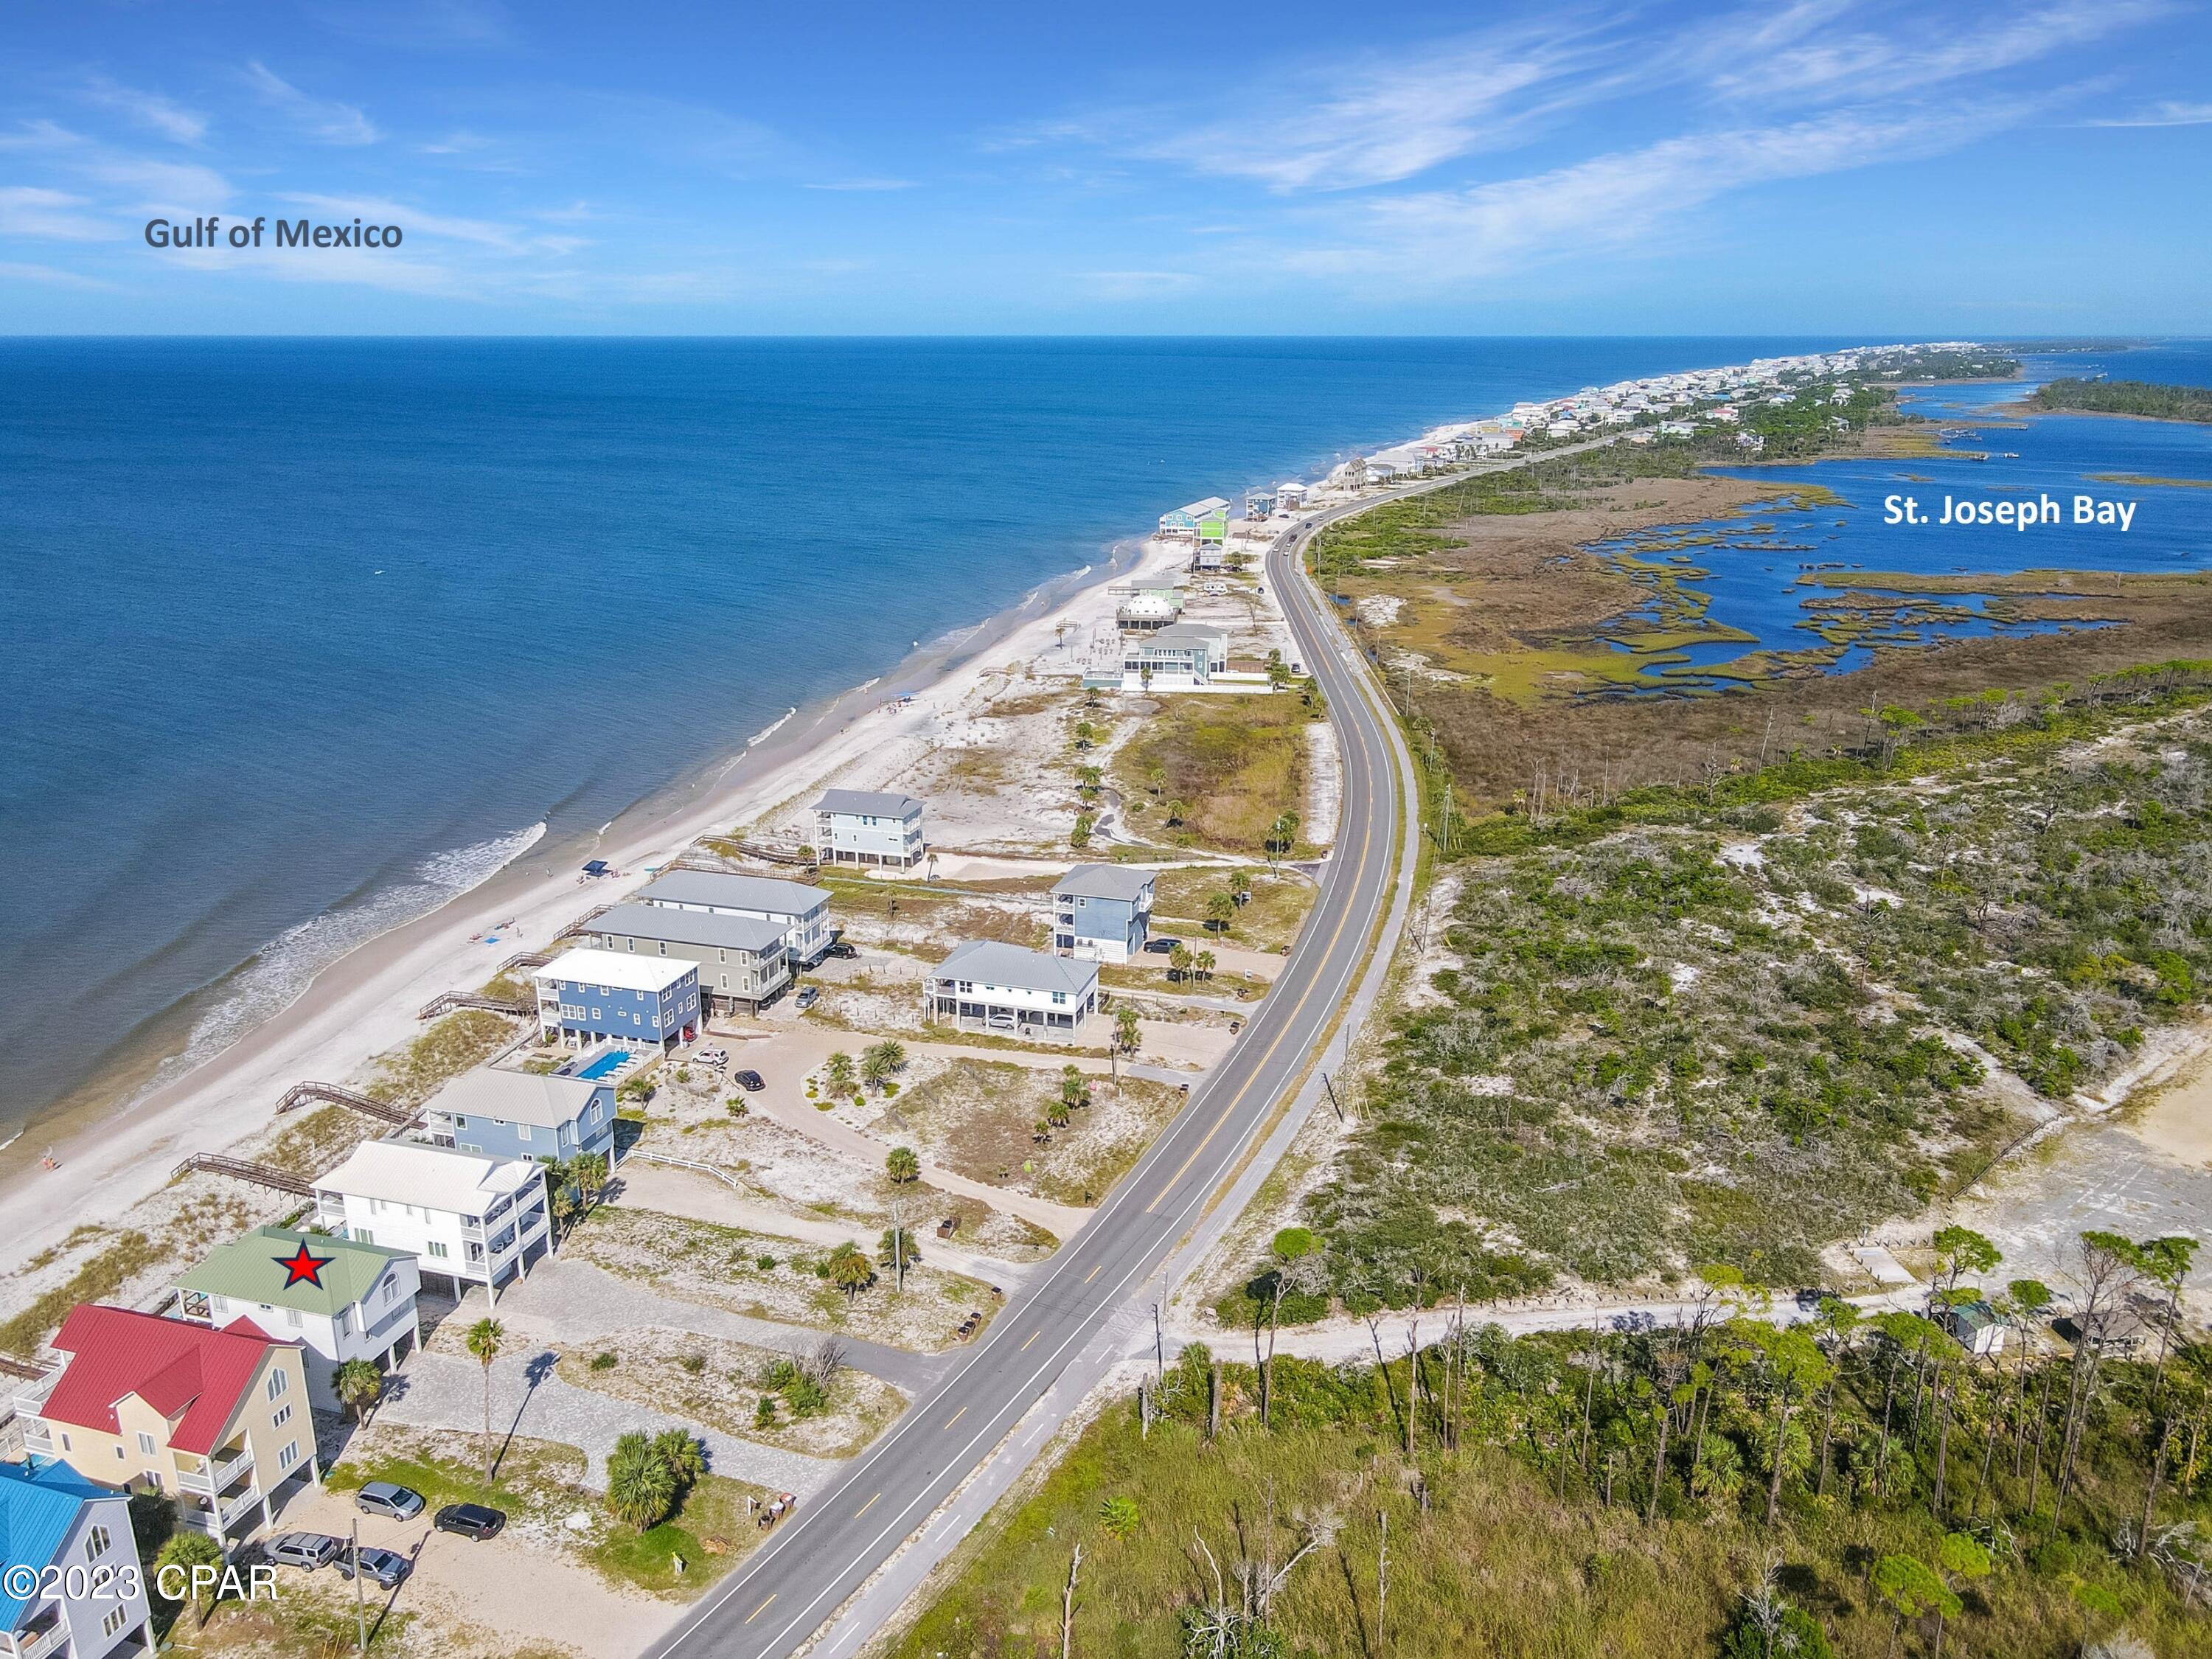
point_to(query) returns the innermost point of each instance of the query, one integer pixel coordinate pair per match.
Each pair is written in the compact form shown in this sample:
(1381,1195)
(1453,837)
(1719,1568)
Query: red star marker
(300,1265)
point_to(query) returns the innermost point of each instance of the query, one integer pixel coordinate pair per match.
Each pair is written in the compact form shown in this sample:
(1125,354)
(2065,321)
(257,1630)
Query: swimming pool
(605,1063)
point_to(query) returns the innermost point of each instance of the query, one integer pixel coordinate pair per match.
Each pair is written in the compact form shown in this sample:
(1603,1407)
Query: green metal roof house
(339,1298)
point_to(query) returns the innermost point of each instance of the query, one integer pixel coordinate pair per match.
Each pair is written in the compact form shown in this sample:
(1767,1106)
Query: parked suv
(381,1567)
(304,1550)
(470,1520)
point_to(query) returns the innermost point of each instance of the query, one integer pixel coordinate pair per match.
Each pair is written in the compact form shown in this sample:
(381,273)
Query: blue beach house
(589,997)
(524,1114)
(1199,521)
(52,1517)
(1102,912)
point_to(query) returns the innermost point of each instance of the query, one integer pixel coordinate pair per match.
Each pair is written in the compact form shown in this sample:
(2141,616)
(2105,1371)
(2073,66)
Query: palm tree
(185,1551)
(1125,1028)
(486,1339)
(1240,885)
(360,1385)
(589,1172)
(1177,811)
(640,1485)
(1179,961)
(850,1270)
(882,1061)
(679,1449)
(902,1165)
(1087,781)
(837,1073)
(1073,1092)
(1220,911)
(1204,962)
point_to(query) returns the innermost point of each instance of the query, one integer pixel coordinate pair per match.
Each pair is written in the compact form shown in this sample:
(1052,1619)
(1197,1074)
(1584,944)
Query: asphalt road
(823,1554)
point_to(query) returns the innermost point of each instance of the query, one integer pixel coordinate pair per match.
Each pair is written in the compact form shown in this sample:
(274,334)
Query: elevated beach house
(1198,521)
(1183,657)
(1102,912)
(524,1114)
(467,1217)
(801,912)
(742,960)
(868,826)
(592,996)
(88,1599)
(985,985)
(340,1299)
(218,1419)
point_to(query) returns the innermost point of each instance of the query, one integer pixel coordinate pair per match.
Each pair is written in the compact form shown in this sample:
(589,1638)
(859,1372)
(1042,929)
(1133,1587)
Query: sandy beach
(362,1005)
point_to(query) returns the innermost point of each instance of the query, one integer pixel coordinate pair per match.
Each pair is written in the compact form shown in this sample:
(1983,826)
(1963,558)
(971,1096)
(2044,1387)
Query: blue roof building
(52,1516)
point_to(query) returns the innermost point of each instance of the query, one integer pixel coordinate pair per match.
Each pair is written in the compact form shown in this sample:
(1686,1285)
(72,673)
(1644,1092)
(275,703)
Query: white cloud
(2171,113)
(149,110)
(53,274)
(323,119)
(158,187)
(1794,54)
(1619,199)
(1375,120)
(30,210)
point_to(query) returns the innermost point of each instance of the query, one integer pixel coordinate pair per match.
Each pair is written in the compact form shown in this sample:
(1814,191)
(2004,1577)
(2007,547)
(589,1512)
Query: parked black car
(308,1550)
(841,950)
(1162,947)
(749,1081)
(381,1567)
(470,1520)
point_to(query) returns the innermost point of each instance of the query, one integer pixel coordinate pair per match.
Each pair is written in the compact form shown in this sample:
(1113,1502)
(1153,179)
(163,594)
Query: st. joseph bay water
(305,636)
(1751,567)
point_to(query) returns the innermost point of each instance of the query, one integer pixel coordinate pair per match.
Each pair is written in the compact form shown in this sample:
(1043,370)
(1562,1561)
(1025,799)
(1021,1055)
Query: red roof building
(218,1418)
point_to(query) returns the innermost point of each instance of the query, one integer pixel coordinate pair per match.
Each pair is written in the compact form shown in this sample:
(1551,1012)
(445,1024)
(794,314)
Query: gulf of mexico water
(1750,564)
(305,637)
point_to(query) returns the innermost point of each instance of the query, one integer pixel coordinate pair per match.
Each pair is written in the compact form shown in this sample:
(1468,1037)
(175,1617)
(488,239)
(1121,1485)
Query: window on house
(278,1382)
(96,1540)
(116,1620)
(65,1443)
(363,1235)
(145,1444)
(438,1250)
(289,1456)
(522,1131)
(343,1323)
(283,1416)
(292,1317)
(119,1453)
(391,1289)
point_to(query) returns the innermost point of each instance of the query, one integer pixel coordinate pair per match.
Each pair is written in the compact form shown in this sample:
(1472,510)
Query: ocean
(307,636)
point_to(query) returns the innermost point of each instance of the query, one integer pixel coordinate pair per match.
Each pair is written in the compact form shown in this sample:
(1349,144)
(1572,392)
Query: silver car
(308,1550)
(390,1499)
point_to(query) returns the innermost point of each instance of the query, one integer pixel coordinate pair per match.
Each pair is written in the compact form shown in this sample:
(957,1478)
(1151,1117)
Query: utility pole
(360,1601)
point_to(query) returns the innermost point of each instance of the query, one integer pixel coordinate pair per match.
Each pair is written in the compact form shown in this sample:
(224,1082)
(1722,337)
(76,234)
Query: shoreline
(113,1152)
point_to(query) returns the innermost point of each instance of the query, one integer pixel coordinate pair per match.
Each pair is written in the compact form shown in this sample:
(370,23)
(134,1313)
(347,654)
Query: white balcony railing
(39,1645)
(215,1476)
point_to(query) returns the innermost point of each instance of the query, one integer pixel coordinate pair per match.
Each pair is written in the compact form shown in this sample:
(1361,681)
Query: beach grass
(411,1075)
(1236,763)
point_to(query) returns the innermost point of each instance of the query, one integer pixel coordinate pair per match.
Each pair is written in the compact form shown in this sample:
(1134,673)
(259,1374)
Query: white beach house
(466,1217)
(353,1301)
(1184,657)
(985,985)
(869,826)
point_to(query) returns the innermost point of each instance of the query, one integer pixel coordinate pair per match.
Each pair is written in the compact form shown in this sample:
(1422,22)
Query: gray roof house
(868,826)
(988,986)
(802,912)
(743,961)
(1102,912)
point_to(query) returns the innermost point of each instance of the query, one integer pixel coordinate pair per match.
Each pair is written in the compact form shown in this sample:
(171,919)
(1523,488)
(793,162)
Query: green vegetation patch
(1231,767)
(2143,398)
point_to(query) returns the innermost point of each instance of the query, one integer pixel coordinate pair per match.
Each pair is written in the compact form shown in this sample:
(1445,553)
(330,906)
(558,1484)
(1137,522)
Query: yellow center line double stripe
(758,1611)
(956,1417)
(1033,1334)
(865,1507)
(1366,840)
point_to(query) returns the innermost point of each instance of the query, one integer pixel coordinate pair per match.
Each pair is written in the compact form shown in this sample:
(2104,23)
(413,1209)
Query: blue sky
(1828,167)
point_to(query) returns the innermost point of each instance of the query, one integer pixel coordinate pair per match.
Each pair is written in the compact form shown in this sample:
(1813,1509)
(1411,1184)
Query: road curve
(822,1555)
